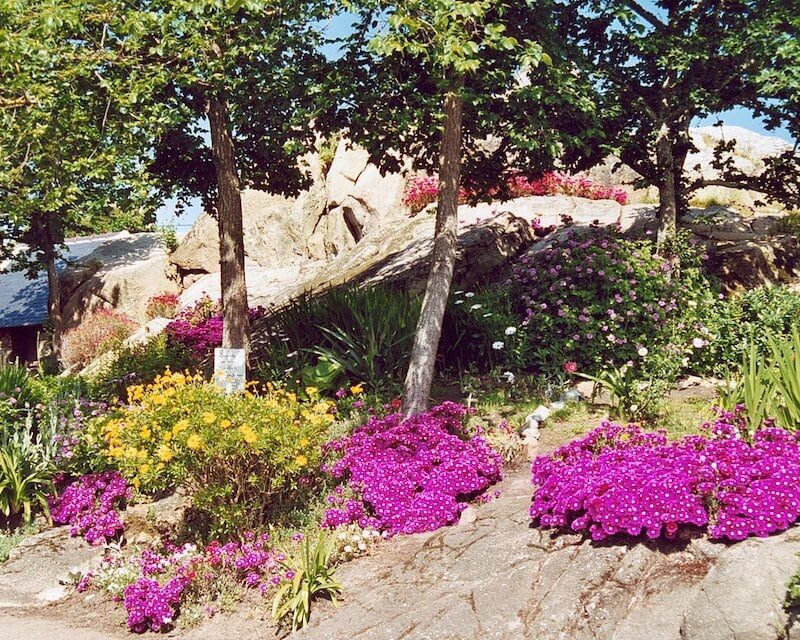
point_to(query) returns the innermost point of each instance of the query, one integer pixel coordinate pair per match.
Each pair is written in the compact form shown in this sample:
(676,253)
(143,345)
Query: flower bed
(423,191)
(623,480)
(410,476)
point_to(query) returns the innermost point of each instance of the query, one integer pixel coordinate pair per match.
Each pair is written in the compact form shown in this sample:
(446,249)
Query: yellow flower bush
(239,456)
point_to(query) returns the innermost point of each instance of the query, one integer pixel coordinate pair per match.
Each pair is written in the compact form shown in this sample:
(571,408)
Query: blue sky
(342,24)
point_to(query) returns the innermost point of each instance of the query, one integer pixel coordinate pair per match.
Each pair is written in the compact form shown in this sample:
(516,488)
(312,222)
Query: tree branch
(647,15)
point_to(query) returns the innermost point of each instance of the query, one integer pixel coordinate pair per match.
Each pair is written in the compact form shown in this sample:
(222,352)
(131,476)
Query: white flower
(642,351)
(362,546)
(475,306)
(509,376)
(510,331)
(459,302)
(498,345)
(487,315)
(699,343)
(611,337)
(457,293)
(469,294)
(348,548)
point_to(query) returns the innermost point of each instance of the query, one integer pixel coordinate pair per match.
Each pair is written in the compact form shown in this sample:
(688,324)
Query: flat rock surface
(494,577)
(35,570)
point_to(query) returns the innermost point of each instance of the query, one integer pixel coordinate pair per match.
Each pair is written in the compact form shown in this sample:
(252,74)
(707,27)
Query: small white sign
(230,370)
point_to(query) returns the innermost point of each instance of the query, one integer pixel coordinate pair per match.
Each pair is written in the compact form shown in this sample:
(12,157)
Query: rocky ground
(492,576)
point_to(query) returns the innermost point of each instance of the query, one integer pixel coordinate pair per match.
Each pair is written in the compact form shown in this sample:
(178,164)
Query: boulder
(123,273)
(272,236)
(327,219)
(162,519)
(488,236)
(43,566)
(750,263)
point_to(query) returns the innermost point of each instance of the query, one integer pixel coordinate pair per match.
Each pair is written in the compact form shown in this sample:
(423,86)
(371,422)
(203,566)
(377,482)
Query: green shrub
(139,364)
(368,332)
(18,393)
(242,457)
(27,469)
(730,326)
(590,301)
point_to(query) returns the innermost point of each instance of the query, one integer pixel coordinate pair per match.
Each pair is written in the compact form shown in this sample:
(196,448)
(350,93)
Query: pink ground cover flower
(424,190)
(89,505)
(622,480)
(410,475)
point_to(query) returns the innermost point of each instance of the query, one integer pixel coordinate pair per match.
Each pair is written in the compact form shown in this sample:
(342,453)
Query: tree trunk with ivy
(422,366)
(235,322)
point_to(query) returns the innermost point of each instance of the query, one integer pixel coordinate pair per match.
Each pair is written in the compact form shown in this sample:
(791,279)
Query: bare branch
(647,15)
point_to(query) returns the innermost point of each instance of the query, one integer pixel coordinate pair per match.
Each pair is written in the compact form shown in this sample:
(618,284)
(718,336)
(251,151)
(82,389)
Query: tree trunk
(235,324)
(667,192)
(422,366)
(53,301)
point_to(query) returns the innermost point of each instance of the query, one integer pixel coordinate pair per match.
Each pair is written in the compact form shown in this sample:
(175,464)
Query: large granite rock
(123,273)
(748,156)
(400,253)
(272,236)
(746,252)
(40,569)
(341,207)
(495,577)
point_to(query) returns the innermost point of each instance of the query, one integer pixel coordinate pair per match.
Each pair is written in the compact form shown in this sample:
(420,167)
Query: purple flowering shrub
(620,479)
(157,583)
(89,505)
(199,328)
(595,298)
(410,475)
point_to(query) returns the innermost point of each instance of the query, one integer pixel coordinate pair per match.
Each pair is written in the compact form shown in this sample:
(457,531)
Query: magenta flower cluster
(151,605)
(199,328)
(410,475)
(556,182)
(622,480)
(424,190)
(153,600)
(89,505)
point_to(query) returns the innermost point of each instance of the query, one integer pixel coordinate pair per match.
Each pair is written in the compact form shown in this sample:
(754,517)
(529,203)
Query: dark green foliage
(366,331)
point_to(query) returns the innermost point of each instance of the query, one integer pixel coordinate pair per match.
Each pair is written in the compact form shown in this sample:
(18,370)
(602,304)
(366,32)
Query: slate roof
(23,302)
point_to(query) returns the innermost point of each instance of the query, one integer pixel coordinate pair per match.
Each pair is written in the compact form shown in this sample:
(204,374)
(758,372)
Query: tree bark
(667,193)
(235,322)
(422,366)
(54,303)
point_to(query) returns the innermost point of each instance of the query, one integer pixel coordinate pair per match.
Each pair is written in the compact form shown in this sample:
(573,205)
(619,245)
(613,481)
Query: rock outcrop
(746,252)
(496,577)
(123,273)
(489,235)
(342,206)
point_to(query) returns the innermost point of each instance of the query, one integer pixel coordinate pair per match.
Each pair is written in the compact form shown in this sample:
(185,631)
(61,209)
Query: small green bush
(139,364)
(27,468)
(729,327)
